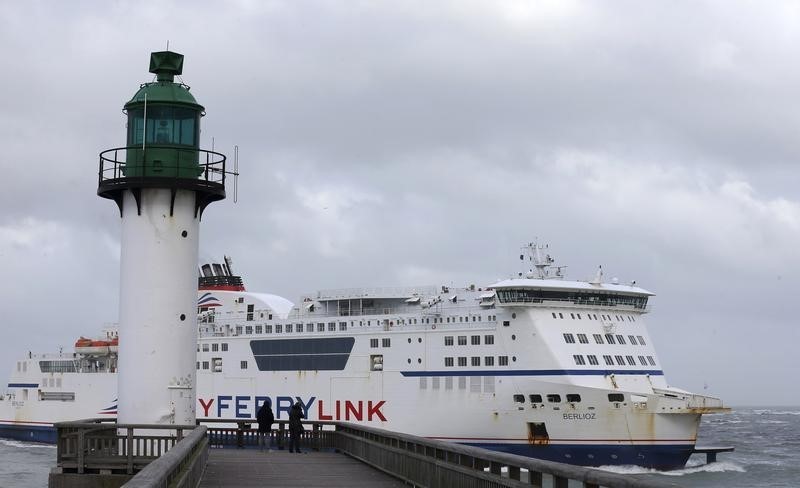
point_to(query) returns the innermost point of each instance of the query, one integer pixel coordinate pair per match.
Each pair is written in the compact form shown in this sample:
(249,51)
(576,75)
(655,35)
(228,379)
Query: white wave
(718,467)
(776,412)
(10,443)
(771,422)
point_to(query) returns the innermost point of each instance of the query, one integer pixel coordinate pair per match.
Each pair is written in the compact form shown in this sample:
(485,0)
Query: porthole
(513,337)
(419,360)
(409,360)
(419,339)
(184,233)
(514,358)
(409,340)
(183,317)
(514,315)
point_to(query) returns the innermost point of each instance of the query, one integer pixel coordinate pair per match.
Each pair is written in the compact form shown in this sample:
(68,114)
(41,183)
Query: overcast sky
(415,143)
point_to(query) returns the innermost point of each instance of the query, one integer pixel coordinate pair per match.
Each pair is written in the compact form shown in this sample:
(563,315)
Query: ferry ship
(535,365)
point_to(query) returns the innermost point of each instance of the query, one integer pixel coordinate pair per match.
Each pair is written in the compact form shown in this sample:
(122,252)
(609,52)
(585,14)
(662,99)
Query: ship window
(632,340)
(609,360)
(598,338)
(248,329)
(243,365)
(342,325)
(320,327)
(572,315)
(462,361)
(535,398)
(475,384)
(288,328)
(373,343)
(331,326)
(386,342)
(579,359)
(641,341)
(214,347)
(475,340)
(569,338)
(579,316)
(198,364)
(650,360)
(64,366)
(488,339)
(595,316)
(310,328)
(448,362)
(621,339)
(582,339)
(592,359)
(488,361)
(506,323)
(573,398)
(268,329)
(554,398)
(278,328)
(238,330)
(448,340)
(299,327)
(610,339)
(205,364)
(642,361)
(620,360)
(631,361)
(259,329)
(462,340)
(250,309)
(554,315)
(519,398)
(616,397)
(476,360)
(560,315)
(502,360)
(205,347)
(224,346)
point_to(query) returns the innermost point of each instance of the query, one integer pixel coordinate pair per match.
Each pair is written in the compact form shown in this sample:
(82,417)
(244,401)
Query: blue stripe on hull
(662,457)
(29,433)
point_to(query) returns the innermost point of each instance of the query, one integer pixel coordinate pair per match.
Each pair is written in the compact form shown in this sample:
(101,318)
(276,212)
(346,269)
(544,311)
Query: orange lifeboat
(91,348)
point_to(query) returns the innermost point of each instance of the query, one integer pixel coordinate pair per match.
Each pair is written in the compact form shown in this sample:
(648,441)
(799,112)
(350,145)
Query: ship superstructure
(535,365)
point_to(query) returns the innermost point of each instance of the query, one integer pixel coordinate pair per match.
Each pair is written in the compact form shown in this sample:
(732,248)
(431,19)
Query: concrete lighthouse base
(158,305)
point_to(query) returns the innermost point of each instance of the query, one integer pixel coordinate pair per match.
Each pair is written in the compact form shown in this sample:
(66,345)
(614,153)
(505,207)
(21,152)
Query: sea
(767,442)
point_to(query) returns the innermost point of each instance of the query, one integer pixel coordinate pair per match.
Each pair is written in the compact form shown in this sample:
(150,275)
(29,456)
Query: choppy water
(767,441)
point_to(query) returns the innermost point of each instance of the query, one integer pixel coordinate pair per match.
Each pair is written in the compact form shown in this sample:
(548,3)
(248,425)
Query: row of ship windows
(571,398)
(476,361)
(214,347)
(609,338)
(332,326)
(218,363)
(593,316)
(474,340)
(477,384)
(580,361)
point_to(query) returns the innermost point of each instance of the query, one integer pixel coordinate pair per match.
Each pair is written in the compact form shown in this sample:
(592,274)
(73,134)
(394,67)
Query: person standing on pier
(295,427)
(265,419)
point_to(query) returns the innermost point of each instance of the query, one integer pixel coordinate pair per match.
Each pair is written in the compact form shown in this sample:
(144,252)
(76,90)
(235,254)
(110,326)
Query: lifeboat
(89,347)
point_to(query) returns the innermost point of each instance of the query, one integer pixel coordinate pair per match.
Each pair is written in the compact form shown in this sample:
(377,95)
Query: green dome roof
(163,92)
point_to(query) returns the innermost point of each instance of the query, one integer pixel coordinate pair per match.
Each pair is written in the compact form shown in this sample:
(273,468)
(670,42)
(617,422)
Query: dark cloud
(423,143)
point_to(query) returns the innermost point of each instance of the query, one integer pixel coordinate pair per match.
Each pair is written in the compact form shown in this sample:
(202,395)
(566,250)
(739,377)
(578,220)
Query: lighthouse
(162,182)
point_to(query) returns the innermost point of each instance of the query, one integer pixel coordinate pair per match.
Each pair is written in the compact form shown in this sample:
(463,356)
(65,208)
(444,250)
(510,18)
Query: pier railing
(104,454)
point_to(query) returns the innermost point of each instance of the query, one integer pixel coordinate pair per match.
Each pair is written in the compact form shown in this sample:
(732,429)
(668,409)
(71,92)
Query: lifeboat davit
(113,345)
(91,348)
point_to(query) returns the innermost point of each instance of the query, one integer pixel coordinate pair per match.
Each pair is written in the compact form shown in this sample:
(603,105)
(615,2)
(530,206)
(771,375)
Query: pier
(101,453)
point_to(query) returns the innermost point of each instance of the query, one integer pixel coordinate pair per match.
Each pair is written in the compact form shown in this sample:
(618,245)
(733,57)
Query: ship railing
(375,292)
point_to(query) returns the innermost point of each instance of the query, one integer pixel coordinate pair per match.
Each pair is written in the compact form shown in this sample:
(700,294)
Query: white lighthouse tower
(161,181)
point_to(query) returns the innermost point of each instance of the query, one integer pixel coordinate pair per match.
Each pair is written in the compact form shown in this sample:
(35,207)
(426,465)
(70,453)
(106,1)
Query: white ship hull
(458,368)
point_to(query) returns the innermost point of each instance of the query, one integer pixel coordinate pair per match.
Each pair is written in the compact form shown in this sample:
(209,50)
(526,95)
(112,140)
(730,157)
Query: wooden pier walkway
(254,468)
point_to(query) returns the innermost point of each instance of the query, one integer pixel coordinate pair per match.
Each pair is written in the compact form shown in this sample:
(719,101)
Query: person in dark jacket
(295,427)
(265,419)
